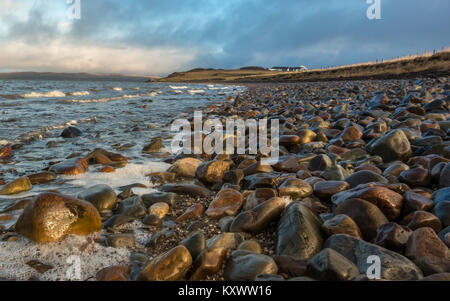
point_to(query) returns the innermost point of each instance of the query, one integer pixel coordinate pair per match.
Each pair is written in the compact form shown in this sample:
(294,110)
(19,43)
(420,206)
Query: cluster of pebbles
(364,173)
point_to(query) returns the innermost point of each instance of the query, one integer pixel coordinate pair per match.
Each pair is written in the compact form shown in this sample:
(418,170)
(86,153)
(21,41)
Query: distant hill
(426,65)
(71,76)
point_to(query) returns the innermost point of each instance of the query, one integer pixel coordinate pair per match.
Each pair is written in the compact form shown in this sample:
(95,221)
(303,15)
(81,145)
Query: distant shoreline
(425,66)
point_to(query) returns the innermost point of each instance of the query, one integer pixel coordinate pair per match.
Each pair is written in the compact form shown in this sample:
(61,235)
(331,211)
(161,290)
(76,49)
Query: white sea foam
(4,142)
(196,91)
(79,93)
(117,89)
(50,94)
(130,174)
(178,87)
(15,254)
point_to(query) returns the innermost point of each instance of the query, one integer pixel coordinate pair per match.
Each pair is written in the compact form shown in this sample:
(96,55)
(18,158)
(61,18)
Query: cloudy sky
(155,37)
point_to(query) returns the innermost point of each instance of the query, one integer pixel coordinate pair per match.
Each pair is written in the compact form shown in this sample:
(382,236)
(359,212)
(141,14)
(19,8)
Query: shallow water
(108,113)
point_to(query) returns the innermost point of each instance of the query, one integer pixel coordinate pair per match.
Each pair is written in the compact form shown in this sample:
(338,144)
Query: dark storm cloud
(233,33)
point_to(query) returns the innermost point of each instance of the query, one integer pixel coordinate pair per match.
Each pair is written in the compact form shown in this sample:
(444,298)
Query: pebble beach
(363,173)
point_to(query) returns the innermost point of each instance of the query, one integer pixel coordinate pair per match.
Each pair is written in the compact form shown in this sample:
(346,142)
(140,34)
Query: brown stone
(193,212)
(289,140)
(341,224)
(102,159)
(208,263)
(71,167)
(107,169)
(171,266)
(416,177)
(295,189)
(259,196)
(351,133)
(366,215)
(256,168)
(393,236)
(325,190)
(428,252)
(416,202)
(50,217)
(291,266)
(6,152)
(187,189)
(212,171)
(257,219)
(422,219)
(185,167)
(228,202)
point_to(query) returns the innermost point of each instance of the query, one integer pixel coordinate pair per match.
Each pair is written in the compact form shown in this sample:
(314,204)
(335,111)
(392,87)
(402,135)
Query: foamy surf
(198,91)
(50,94)
(130,174)
(117,89)
(79,93)
(178,87)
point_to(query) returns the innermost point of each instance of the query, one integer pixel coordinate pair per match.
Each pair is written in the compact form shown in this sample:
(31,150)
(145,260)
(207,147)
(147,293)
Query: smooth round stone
(341,224)
(320,162)
(234,177)
(325,190)
(187,189)
(102,159)
(251,246)
(442,195)
(393,236)
(185,167)
(392,147)
(117,220)
(102,197)
(329,265)
(389,201)
(171,266)
(169,198)
(17,186)
(225,223)
(306,136)
(394,267)
(244,266)
(209,262)
(289,140)
(299,233)
(228,202)
(50,217)
(366,215)
(444,179)
(335,173)
(257,219)
(287,164)
(195,243)
(422,219)
(257,168)
(193,212)
(395,169)
(154,146)
(152,220)
(70,167)
(212,171)
(416,177)
(121,240)
(114,274)
(42,177)
(71,132)
(368,167)
(159,209)
(229,241)
(260,195)
(428,252)
(295,189)
(107,169)
(364,177)
(132,207)
(416,202)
